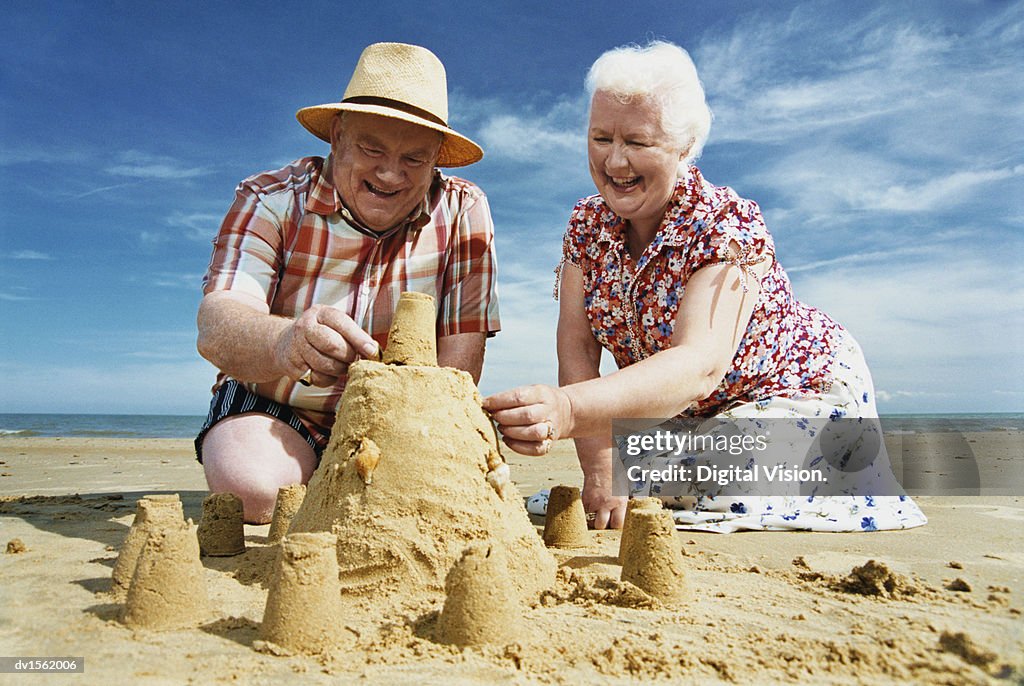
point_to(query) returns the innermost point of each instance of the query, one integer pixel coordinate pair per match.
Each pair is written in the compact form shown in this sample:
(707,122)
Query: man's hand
(324,340)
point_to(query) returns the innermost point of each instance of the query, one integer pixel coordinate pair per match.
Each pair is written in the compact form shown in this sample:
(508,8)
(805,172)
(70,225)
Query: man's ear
(336,128)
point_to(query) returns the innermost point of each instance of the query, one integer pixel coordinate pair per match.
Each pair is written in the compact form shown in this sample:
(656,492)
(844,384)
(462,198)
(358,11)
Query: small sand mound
(15,546)
(876,579)
(589,588)
(961,644)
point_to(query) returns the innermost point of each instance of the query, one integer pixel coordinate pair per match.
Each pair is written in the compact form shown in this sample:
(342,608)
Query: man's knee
(253,456)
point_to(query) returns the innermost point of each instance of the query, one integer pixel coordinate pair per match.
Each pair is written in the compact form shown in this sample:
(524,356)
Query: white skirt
(852,396)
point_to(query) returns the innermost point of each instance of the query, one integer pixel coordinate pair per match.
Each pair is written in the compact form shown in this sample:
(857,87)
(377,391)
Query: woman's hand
(609,511)
(531,418)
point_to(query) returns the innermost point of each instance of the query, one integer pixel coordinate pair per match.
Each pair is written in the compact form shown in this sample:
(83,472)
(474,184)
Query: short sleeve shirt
(289,241)
(788,347)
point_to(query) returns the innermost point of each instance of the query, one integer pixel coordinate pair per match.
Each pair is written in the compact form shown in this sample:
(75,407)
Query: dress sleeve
(736,234)
(469,301)
(247,250)
(573,244)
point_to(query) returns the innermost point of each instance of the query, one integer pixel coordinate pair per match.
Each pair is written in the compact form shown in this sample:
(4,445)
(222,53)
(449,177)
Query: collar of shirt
(323,199)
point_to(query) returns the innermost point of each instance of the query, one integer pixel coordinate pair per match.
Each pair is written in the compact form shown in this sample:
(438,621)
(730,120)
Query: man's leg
(253,455)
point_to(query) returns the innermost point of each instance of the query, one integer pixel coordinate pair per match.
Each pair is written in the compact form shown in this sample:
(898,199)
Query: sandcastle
(481,606)
(565,525)
(289,499)
(628,531)
(167,590)
(654,559)
(152,513)
(304,602)
(412,474)
(221,530)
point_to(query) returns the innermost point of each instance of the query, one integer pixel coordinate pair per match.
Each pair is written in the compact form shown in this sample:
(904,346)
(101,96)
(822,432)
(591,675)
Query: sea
(187,426)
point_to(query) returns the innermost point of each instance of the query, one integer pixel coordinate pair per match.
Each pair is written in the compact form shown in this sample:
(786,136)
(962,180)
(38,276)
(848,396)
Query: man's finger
(359,340)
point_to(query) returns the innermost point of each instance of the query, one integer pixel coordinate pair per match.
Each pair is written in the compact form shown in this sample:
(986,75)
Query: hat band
(396,105)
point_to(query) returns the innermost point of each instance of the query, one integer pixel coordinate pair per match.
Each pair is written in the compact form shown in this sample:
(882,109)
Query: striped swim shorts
(232,399)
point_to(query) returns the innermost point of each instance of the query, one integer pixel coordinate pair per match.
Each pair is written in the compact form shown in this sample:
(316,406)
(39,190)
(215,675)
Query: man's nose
(389,170)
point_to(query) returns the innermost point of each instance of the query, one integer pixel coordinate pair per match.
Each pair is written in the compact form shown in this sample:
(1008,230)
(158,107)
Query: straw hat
(400,81)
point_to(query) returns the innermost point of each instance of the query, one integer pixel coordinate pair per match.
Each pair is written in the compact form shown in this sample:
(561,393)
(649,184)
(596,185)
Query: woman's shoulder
(590,214)
(718,202)
(721,210)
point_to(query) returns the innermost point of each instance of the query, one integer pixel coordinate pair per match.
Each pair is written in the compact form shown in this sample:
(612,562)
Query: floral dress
(793,360)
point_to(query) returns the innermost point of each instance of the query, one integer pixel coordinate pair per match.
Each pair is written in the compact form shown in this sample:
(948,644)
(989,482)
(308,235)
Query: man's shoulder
(454,188)
(296,177)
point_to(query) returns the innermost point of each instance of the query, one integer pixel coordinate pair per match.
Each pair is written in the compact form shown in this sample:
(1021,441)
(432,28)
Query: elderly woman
(678,280)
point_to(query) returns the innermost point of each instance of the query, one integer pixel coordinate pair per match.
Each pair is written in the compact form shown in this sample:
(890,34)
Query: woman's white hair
(663,73)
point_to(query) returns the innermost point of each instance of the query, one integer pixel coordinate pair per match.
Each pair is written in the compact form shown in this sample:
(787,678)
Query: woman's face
(632,160)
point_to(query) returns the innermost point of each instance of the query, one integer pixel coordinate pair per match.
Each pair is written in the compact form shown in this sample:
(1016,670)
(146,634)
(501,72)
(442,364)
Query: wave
(18,432)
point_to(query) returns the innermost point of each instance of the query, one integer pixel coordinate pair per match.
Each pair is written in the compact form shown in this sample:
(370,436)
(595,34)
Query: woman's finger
(523,416)
(601,517)
(513,398)
(528,432)
(531,448)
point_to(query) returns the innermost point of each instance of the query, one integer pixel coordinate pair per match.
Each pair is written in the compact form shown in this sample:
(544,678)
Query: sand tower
(654,559)
(152,513)
(481,606)
(412,474)
(652,504)
(565,525)
(303,610)
(167,589)
(221,530)
(289,498)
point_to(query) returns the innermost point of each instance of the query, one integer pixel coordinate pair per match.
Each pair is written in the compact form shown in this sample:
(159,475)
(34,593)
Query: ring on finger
(307,378)
(551,430)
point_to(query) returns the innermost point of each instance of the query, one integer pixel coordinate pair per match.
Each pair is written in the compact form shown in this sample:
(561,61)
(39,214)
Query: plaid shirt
(290,241)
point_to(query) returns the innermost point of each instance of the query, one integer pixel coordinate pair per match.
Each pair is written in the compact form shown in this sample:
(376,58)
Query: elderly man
(310,261)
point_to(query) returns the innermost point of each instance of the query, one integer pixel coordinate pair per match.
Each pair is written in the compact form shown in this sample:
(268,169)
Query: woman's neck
(639,235)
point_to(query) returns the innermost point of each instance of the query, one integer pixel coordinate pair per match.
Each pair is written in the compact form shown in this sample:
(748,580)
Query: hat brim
(456,149)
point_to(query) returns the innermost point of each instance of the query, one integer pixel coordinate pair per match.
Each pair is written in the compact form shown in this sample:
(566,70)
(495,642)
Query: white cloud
(29,255)
(199,226)
(140,165)
(13,297)
(943,330)
(529,139)
(941,192)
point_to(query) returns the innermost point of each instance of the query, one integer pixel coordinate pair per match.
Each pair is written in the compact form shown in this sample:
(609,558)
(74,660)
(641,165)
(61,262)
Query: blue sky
(882,140)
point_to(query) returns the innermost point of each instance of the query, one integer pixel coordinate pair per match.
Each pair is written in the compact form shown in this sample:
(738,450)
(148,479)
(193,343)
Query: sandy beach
(767,607)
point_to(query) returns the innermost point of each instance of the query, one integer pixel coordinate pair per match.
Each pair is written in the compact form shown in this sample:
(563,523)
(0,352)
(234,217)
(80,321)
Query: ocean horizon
(57,425)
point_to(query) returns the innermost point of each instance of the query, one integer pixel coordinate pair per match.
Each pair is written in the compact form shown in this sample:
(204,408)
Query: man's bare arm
(239,336)
(462,351)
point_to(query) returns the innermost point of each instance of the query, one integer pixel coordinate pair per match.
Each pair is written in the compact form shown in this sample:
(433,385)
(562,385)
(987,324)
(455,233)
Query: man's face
(381,167)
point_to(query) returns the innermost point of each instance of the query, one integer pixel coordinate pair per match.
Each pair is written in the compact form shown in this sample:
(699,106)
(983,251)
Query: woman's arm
(579,359)
(713,315)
